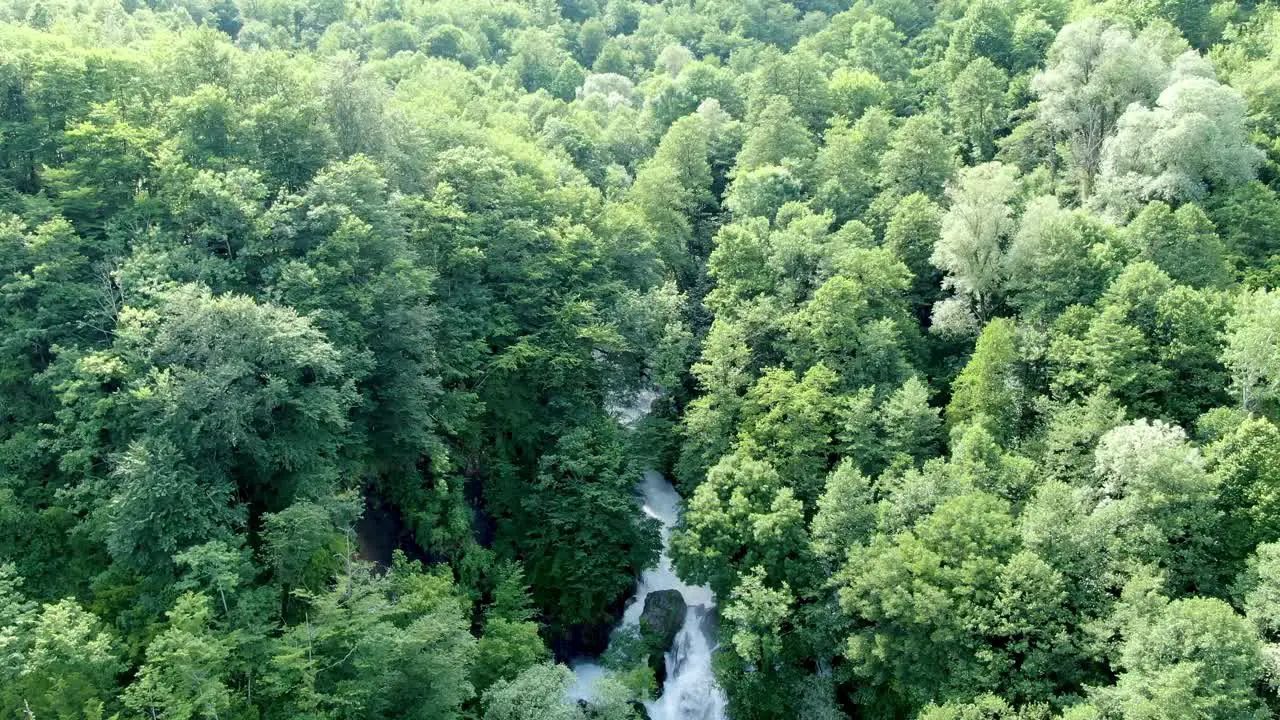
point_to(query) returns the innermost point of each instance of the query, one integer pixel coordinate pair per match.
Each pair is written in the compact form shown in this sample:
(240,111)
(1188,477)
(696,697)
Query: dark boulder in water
(663,616)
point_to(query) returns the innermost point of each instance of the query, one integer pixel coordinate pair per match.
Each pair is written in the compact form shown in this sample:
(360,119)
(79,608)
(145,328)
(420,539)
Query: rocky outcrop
(662,618)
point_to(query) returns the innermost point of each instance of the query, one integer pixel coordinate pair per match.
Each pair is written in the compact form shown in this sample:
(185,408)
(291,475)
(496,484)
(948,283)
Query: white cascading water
(690,691)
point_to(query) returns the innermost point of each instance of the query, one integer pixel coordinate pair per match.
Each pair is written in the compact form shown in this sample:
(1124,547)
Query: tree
(1072,434)
(847,165)
(919,158)
(612,59)
(926,589)
(1247,218)
(795,76)
(1059,526)
(304,542)
(877,47)
(1253,330)
(450,41)
(986,707)
(741,517)
(1056,260)
(1094,72)
(569,78)
(849,327)
(976,100)
(510,642)
(505,649)
(287,122)
(1196,656)
(777,137)
(582,538)
(794,422)
(184,675)
(975,231)
(382,646)
(911,426)
(912,232)
(1192,140)
(108,161)
(846,515)
(1260,595)
(985,31)
(1189,19)
(161,506)
(68,664)
(674,58)
(538,693)
(1182,243)
(763,191)
(1246,462)
(673,190)
(1142,332)
(592,36)
(989,391)
(1161,501)
(538,58)
(355,100)
(352,265)
(208,126)
(709,423)
(217,401)
(853,92)
(756,614)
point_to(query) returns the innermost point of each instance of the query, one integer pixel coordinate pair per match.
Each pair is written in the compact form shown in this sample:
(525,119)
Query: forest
(318,317)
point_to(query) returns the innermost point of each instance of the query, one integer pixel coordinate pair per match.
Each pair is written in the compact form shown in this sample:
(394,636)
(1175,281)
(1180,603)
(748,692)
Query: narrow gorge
(690,691)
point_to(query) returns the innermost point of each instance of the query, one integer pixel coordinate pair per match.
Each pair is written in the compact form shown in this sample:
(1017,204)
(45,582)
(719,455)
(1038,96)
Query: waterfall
(690,691)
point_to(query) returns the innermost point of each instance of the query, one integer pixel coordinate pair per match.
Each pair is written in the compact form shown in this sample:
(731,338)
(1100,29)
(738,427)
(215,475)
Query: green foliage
(989,390)
(911,426)
(58,659)
(183,676)
(536,694)
(926,291)
(395,645)
(581,532)
(1093,72)
(911,233)
(742,516)
(919,158)
(1195,656)
(1250,348)
(938,591)
(977,98)
(1181,243)
(975,231)
(1057,259)
(1159,489)
(756,614)
(1149,341)
(1246,218)
(1259,594)
(847,165)
(853,92)
(846,513)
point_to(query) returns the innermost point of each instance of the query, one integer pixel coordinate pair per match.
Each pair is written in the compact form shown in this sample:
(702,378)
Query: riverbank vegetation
(962,316)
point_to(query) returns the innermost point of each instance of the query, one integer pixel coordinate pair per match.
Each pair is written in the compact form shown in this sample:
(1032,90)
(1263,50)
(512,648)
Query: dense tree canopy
(322,324)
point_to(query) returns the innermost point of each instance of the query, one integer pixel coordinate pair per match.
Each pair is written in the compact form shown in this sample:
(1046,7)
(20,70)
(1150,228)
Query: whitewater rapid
(690,691)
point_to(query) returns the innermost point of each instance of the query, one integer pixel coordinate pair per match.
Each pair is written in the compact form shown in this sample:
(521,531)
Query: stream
(690,691)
